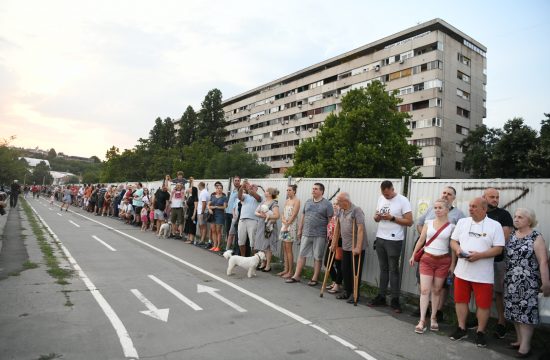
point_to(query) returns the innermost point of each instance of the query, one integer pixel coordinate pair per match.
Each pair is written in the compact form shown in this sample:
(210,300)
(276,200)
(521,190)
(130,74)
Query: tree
(366,139)
(212,122)
(73,179)
(41,174)
(11,167)
(539,157)
(188,127)
(236,161)
(52,154)
(510,158)
(479,147)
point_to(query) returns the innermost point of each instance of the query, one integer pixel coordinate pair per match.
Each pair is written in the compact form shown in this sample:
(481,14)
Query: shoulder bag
(420,252)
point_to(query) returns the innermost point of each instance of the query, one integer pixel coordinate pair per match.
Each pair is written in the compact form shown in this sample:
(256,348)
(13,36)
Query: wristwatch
(392,219)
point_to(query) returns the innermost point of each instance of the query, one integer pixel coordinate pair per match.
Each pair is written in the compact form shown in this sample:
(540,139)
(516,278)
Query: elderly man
(393,215)
(503,217)
(351,221)
(312,233)
(476,240)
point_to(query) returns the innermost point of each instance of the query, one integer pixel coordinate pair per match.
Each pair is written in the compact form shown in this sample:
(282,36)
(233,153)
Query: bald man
(476,240)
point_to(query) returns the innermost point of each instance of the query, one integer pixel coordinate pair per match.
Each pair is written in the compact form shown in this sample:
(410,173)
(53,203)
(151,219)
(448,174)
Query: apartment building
(438,71)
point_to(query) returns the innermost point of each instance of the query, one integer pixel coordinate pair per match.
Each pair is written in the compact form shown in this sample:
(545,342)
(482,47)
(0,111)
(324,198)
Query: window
(462,130)
(418,162)
(458,148)
(464,59)
(462,112)
(426,142)
(458,166)
(463,94)
(460,75)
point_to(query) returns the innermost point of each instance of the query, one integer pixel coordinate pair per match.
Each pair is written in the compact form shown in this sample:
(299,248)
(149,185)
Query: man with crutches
(351,227)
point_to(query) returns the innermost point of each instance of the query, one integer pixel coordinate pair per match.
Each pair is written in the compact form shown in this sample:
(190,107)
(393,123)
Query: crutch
(331,256)
(355,271)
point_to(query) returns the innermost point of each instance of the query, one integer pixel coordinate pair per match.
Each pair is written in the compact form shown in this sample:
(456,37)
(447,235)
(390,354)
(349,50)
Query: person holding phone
(476,240)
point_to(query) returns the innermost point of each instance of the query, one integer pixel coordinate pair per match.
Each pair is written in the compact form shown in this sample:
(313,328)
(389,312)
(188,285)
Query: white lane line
(59,214)
(213,292)
(364,355)
(152,310)
(104,243)
(75,224)
(123,336)
(176,293)
(262,300)
(316,327)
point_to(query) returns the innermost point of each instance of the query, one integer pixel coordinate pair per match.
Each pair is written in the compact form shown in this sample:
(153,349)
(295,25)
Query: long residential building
(438,71)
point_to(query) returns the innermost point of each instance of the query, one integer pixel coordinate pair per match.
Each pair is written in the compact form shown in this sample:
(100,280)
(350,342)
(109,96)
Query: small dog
(164,230)
(249,263)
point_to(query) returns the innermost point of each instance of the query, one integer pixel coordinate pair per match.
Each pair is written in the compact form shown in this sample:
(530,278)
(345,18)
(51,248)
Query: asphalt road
(152,298)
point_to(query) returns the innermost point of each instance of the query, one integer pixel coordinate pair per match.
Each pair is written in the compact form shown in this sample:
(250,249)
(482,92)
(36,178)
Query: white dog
(249,263)
(164,230)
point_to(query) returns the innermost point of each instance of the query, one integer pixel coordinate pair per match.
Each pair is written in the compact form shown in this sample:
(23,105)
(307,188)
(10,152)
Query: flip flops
(291,280)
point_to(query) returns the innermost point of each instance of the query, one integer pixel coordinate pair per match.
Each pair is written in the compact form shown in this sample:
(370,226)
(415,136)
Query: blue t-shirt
(233,198)
(249,205)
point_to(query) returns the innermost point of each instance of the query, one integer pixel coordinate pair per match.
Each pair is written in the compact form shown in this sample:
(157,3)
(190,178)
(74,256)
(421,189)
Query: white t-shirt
(440,245)
(203,196)
(396,206)
(177,199)
(478,237)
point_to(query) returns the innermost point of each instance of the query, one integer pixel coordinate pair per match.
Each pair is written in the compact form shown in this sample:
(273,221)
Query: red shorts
(436,266)
(483,293)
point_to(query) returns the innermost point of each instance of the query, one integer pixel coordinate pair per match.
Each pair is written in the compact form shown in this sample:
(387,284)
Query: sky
(82,76)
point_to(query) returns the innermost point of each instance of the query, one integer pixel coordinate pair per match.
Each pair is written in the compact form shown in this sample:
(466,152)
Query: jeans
(388,252)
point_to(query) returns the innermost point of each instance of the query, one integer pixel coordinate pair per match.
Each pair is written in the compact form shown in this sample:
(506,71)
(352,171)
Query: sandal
(421,327)
(281,273)
(291,280)
(330,286)
(434,326)
(333,290)
(312,283)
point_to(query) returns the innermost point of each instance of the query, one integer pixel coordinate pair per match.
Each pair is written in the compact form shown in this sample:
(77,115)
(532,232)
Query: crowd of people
(487,253)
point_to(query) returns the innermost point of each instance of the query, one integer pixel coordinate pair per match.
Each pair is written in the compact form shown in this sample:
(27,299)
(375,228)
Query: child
(144,217)
(152,219)
(52,198)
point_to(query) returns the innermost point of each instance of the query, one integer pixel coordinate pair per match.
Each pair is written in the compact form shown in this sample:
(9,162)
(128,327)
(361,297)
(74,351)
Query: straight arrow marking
(212,291)
(176,293)
(153,311)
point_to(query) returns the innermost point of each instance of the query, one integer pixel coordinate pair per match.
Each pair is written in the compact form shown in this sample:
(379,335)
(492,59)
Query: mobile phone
(464,254)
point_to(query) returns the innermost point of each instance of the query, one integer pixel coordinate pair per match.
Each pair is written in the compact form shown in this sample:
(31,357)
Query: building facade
(438,71)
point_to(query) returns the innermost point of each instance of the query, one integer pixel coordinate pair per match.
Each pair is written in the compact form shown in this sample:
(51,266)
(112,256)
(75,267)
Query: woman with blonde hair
(526,275)
(436,263)
(289,229)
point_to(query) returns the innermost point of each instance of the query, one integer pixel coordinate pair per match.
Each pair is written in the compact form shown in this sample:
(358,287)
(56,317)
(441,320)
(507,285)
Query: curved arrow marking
(212,291)
(153,311)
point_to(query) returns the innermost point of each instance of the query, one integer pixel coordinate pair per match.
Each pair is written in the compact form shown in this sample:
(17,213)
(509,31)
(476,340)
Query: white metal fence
(514,193)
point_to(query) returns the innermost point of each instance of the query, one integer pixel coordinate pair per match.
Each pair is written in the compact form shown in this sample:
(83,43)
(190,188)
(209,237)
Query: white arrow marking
(104,243)
(75,224)
(212,291)
(176,293)
(154,312)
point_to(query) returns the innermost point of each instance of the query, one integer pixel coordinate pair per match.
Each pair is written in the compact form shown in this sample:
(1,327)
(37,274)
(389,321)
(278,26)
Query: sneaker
(480,339)
(471,323)
(500,331)
(459,334)
(377,301)
(396,306)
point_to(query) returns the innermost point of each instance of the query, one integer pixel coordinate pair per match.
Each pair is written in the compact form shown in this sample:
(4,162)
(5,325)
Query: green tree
(41,174)
(479,147)
(539,157)
(197,157)
(11,167)
(510,158)
(52,154)
(236,161)
(366,139)
(188,127)
(212,122)
(73,179)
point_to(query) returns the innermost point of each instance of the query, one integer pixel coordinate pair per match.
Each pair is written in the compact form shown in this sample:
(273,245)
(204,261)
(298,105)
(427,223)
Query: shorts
(312,245)
(176,216)
(483,293)
(67,199)
(159,214)
(436,266)
(247,227)
(201,219)
(233,227)
(500,269)
(106,204)
(144,219)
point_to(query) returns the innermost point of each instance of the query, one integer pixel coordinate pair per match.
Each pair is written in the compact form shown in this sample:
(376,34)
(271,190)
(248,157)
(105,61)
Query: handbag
(544,309)
(418,254)
(339,253)
(210,217)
